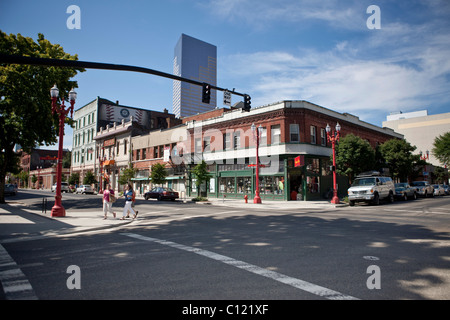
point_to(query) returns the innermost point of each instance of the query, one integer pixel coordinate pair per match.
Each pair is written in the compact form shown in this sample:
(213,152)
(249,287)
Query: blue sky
(319,51)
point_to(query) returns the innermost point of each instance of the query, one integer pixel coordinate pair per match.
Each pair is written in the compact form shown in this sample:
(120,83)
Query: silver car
(64,187)
(439,190)
(85,188)
(424,189)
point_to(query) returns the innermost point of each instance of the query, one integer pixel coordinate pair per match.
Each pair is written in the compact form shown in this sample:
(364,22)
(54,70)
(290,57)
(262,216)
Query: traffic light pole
(11,59)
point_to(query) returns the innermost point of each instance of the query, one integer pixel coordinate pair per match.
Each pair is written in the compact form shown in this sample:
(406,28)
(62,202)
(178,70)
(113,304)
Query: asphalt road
(186,251)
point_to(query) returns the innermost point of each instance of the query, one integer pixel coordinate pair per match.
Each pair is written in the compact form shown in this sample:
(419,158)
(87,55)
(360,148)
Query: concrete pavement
(19,221)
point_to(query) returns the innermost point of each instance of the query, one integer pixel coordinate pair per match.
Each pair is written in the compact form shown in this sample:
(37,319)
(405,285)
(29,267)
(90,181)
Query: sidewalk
(17,215)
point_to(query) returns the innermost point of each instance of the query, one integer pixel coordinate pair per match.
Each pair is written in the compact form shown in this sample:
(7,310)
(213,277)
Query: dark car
(161,193)
(404,191)
(10,189)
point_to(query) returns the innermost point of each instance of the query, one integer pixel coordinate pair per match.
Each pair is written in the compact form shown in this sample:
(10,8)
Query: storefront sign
(300,161)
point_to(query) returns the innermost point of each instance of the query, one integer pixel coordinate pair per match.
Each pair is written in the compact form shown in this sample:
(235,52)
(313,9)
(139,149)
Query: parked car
(424,189)
(439,190)
(161,193)
(64,187)
(446,189)
(371,188)
(85,188)
(404,191)
(10,189)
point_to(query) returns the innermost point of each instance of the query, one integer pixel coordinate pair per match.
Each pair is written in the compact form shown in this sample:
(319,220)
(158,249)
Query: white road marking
(296,283)
(15,284)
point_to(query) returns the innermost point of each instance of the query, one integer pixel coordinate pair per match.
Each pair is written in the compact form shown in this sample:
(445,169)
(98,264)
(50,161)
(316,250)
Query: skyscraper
(197,60)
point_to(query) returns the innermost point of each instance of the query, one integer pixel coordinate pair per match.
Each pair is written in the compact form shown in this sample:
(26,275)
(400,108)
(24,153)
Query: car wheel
(405,197)
(351,203)
(391,198)
(376,199)
(159,198)
(415,196)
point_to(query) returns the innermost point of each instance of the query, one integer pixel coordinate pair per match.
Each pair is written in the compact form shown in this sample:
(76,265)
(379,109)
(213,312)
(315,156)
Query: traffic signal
(247,103)
(206,93)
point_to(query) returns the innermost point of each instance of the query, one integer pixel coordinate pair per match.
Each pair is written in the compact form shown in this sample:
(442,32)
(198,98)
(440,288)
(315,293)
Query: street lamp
(333,137)
(257,136)
(58,210)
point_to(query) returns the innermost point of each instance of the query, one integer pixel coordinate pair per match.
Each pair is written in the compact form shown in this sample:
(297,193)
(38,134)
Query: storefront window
(313,165)
(271,185)
(313,184)
(226,184)
(244,185)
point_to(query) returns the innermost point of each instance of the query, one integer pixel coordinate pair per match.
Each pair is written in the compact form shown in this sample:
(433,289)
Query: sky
(326,52)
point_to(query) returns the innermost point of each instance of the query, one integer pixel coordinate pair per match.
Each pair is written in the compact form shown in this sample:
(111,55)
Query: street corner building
(223,138)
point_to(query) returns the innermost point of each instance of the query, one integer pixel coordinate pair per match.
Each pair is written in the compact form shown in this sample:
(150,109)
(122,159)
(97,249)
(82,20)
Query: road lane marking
(15,284)
(296,283)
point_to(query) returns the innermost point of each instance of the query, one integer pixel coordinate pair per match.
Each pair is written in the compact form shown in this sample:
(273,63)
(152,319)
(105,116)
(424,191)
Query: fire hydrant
(246,198)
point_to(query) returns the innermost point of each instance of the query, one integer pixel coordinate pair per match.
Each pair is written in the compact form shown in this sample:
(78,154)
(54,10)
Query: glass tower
(197,60)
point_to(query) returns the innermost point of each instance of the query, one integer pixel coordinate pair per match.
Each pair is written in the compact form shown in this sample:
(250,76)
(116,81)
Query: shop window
(271,185)
(227,184)
(244,185)
(227,141)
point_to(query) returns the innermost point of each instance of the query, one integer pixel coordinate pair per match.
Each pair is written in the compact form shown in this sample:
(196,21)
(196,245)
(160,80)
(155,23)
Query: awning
(109,162)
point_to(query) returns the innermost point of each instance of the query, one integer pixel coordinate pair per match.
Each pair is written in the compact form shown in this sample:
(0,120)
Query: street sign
(227,98)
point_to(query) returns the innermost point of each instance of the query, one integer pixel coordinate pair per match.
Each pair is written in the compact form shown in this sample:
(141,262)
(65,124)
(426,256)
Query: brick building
(289,128)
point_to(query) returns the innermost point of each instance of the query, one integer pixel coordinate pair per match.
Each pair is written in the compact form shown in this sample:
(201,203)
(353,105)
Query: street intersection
(225,250)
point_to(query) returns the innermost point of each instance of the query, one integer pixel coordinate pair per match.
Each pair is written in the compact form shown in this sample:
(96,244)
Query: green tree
(159,173)
(74,178)
(399,158)
(441,148)
(201,174)
(353,156)
(127,174)
(89,178)
(25,106)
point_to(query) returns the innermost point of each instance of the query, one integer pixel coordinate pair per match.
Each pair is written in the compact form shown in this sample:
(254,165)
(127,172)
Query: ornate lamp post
(333,137)
(58,210)
(256,136)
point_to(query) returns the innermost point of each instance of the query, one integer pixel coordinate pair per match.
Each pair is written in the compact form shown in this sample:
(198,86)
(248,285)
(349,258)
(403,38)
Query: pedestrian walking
(128,194)
(108,196)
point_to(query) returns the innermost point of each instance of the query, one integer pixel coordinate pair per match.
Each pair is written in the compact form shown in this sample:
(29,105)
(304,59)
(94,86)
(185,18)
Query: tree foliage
(25,106)
(399,158)
(353,156)
(441,148)
(159,173)
(127,174)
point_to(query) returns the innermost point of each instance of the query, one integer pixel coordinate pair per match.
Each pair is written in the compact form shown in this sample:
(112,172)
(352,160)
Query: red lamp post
(58,210)
(333,137)
(256,136)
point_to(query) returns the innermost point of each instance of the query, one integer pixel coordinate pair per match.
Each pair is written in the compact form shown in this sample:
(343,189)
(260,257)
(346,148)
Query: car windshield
(364,182)
(400,185)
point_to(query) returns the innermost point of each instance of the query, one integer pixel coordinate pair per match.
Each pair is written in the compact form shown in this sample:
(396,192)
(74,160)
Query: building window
(263,138)
(294,132)
(227,141)
(144,154)
(275,134)
(198,145)
(313,135)
(125,146)
(138,154)
(207,142)
(323,137)
(237,139)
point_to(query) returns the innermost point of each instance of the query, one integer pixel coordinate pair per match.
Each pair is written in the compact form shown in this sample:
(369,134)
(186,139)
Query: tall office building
(196,60)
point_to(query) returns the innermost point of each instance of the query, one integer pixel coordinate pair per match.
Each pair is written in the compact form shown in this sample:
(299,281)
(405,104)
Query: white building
(420,130)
